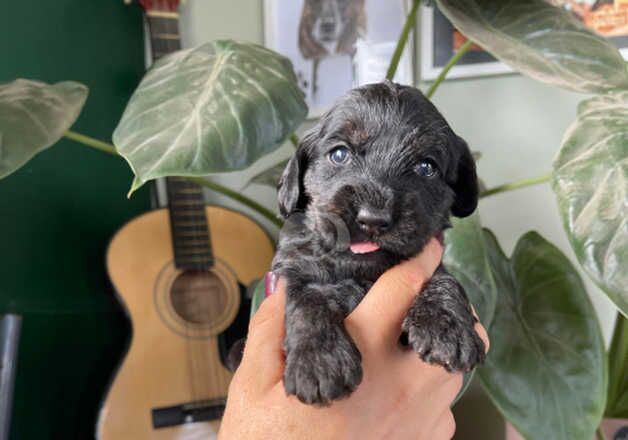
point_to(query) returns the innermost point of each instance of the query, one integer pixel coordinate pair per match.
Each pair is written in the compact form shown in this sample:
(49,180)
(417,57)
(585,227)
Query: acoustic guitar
(181,272)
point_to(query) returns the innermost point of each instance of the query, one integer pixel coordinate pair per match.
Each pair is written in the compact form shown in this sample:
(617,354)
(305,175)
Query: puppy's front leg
(440,325)
(322,362)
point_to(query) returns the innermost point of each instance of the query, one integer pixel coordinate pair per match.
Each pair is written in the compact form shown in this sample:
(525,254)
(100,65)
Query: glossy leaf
(270,176)
(542,41)
(590,180)
(546,368)
(33,116)
(215,108)
(466,259)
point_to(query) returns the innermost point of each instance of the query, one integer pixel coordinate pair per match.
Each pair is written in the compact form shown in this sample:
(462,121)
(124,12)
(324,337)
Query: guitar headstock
(157,5)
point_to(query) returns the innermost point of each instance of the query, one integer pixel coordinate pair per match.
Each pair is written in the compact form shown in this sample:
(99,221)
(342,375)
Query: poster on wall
(335,45)
(440,40)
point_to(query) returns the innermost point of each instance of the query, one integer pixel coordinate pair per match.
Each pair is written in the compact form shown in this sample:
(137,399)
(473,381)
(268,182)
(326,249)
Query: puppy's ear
(466,185)
(290,192)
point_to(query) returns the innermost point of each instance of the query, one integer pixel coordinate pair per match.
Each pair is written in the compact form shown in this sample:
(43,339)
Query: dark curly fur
(389,129)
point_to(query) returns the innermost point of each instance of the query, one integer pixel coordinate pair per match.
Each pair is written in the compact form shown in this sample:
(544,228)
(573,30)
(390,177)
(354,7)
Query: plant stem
(452,61)
(91,142)
(617,364)
(516,185)
(109,148)
(403,39)
(238,197)
(600,435)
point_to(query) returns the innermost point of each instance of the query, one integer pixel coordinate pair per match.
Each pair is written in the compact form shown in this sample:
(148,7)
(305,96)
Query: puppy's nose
(328,27)
(373,221)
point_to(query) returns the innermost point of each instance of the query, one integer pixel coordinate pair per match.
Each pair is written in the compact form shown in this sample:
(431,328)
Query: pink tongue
(363,247)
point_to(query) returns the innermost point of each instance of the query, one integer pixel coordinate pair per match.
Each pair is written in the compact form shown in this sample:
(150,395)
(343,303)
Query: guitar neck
(188,223)
(164,33)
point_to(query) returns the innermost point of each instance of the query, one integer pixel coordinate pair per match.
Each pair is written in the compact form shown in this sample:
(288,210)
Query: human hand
(400,396)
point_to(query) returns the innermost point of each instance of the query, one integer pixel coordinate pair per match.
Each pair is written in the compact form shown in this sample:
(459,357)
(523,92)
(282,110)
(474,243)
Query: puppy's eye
(339,155)
(426,168)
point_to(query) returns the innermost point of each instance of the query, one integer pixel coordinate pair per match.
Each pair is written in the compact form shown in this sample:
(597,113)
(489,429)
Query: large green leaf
(542,41)
(33,116)
(546,370)
(215,108)
(466,258)
(591,184)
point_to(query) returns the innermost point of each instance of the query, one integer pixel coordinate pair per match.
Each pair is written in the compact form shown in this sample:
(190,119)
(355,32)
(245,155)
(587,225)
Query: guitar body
(172,374)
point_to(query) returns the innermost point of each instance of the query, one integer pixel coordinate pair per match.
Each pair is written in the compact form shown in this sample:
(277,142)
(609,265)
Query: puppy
(368,186)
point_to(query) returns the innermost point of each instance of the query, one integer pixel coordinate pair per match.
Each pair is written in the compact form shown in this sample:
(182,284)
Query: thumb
(379,315)
(263,353)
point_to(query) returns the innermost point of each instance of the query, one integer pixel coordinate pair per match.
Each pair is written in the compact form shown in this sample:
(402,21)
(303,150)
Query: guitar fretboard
(164,33)
(188,225)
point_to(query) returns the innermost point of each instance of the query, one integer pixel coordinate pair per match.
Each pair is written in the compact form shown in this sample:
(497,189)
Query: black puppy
(368,186)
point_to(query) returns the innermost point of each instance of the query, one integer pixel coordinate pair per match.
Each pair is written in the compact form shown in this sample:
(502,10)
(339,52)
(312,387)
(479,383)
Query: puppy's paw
(443,338)
(323,368)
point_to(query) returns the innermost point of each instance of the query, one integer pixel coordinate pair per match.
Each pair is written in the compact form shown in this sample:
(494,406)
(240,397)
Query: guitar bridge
(200,411)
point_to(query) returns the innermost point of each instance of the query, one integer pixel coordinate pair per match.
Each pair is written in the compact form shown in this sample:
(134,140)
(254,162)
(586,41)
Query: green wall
(58,213)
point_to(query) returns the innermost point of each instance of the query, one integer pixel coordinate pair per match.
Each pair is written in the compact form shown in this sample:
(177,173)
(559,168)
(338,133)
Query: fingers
(379,315)
(263,352)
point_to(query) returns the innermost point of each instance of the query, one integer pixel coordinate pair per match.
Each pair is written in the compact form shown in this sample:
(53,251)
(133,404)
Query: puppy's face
(386,163)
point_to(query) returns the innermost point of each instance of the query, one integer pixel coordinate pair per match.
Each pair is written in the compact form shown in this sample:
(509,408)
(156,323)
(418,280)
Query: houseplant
(547,371)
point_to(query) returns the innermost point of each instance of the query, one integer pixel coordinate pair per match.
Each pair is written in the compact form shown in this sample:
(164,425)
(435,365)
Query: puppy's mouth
(363,247)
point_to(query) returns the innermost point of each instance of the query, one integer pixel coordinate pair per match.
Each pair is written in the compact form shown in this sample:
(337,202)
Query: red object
(459,40)
(159,5)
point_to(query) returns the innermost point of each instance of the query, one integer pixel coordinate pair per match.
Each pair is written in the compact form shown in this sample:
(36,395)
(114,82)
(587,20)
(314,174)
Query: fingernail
(270,282)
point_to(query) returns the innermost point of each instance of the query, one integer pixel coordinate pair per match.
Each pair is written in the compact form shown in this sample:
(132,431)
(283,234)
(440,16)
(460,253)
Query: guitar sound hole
(198,296)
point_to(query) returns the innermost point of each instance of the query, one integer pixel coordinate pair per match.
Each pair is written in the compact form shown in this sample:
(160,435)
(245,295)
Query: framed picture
(440,40)
(335,45)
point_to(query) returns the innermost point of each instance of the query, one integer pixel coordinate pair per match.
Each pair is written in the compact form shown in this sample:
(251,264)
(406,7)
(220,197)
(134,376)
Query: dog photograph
(335,45)
(314,220)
